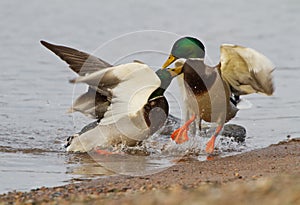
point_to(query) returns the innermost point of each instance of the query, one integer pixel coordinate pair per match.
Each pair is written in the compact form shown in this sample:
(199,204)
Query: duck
(127,100)
(212,93)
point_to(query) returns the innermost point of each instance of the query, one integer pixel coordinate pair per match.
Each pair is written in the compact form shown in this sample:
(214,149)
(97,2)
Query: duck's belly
(105,136)
(214,105)
(127,131)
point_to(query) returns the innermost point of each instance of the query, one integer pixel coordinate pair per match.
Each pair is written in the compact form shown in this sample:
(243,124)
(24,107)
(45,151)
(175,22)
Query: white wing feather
(128,98)
(138,82)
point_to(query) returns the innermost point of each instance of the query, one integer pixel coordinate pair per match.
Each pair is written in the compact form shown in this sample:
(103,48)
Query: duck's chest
(155,113)
(213,103)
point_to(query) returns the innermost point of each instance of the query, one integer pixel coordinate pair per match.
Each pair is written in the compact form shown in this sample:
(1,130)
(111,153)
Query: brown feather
(211,92)
(80,62)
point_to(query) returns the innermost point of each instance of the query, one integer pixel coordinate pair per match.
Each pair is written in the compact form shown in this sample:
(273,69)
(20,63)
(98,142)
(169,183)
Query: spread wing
(246,70)
(80,62)
(94,102)
(130,86)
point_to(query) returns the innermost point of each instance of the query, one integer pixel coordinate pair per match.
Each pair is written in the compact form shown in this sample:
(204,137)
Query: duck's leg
(210,146)
(180,135)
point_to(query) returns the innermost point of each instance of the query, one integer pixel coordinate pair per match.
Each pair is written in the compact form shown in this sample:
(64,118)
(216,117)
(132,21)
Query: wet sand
(266,176)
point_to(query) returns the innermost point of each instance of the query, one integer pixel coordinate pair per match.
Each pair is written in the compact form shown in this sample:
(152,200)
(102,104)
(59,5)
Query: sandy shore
(266,176)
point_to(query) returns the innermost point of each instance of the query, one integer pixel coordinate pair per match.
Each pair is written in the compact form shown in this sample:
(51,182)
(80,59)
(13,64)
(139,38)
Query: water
(35,93)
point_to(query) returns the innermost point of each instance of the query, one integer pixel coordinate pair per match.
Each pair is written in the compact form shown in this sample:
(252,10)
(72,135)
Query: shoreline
(277,164)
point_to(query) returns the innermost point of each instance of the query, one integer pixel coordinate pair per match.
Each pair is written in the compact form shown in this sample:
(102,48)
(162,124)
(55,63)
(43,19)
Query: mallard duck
(127,100)
(217,89)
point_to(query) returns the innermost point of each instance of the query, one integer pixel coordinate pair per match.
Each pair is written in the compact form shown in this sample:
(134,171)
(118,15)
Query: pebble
(237,132)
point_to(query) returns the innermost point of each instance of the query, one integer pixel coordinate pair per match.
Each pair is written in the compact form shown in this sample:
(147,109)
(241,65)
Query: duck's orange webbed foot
(180,135)
(103,152)
(210,146)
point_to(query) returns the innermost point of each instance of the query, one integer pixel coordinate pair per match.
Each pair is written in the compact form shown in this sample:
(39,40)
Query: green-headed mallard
(217,89)
(128,100)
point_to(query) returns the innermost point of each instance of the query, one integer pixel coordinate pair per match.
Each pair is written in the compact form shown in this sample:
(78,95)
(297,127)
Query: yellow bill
(175,71)
(169,61)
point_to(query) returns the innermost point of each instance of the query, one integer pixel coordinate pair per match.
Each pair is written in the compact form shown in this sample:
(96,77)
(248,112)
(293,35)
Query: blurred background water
(35,94)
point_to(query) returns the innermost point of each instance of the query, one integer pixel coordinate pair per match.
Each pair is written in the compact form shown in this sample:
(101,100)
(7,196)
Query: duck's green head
(186,47)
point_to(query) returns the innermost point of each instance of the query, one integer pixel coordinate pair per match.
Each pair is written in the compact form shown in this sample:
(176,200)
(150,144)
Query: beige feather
(246,70)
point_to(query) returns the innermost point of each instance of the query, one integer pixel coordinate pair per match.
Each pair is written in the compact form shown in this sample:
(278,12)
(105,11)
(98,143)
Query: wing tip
(43,42)
(270,91)
(52,47)
(46,44)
